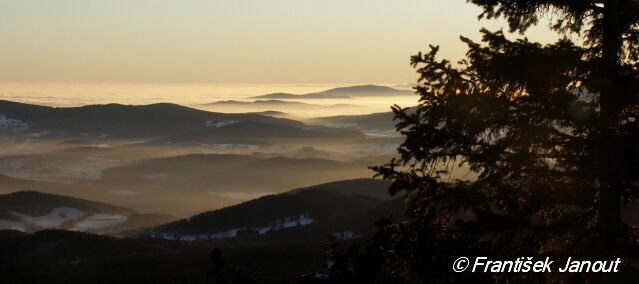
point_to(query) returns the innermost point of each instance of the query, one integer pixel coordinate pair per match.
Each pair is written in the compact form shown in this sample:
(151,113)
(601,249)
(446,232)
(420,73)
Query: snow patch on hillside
(11,225)
(54,219)
(64,218)
(287,222)
(378,133)
(12,125)
(220,123)
(98,221)
(227,234)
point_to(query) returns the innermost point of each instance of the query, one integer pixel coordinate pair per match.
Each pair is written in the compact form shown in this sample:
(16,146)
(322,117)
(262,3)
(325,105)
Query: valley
(169,175)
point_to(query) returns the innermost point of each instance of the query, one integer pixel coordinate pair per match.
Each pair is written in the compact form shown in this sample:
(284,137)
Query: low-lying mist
(248,142)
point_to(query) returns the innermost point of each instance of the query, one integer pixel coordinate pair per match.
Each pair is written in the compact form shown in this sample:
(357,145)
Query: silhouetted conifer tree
(551,133)
(348,266)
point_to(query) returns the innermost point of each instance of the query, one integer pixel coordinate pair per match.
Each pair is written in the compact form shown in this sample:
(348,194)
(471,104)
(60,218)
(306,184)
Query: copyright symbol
(461,264)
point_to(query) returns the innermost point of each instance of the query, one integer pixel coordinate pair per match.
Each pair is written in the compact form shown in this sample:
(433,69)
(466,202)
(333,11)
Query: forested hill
(37,204)
(299,215)
(31,211)
(144,120)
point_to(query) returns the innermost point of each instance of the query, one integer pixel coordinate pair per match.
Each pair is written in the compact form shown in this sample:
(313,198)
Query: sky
(231,42)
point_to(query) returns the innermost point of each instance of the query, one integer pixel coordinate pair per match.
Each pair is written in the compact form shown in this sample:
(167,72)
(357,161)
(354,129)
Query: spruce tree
(550,131)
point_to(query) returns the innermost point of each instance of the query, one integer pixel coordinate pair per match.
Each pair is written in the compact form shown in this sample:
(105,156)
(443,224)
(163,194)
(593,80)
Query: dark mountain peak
(5,103)
(362,89)
(274,102)
(159,119)
(37,203)
(271,113)
(277,95)
(306,96)
(339,93)
(233,102)
(363,186)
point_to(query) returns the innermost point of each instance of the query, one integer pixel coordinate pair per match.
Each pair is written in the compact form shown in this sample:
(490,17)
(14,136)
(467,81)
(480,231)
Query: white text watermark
(529,264)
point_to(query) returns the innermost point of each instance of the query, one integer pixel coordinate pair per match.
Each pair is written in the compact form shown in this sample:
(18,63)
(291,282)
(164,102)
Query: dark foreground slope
(299,216)
(54,256)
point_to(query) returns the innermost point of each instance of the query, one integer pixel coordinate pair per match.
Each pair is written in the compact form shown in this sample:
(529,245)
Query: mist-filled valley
(319,142)
(264,169)
(175,160)
(172,159)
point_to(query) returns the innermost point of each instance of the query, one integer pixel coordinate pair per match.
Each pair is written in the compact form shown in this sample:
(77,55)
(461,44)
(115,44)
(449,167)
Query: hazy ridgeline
(172,159)
(250,174)
(526,148)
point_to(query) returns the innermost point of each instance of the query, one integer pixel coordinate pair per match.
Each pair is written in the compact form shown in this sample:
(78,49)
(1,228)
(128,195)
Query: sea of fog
(191,95)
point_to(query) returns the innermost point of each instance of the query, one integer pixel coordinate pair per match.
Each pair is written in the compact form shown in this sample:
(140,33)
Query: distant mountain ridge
(271,103)
(382,120)
(259,102)
(364,90)
(342,93)
(139,121)
(306,96)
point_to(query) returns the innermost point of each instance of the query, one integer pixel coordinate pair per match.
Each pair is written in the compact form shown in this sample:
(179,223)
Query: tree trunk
(609,203)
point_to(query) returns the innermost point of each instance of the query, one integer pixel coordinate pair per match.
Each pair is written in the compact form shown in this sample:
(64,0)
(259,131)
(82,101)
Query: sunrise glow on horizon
(231,42)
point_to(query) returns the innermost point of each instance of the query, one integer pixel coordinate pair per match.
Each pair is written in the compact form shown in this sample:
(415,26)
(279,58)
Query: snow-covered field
(219,124)
(12,125)
(52,220)
(64,218)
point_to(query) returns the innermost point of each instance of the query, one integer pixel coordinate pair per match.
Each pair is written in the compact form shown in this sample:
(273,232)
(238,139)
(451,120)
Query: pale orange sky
(230,42)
